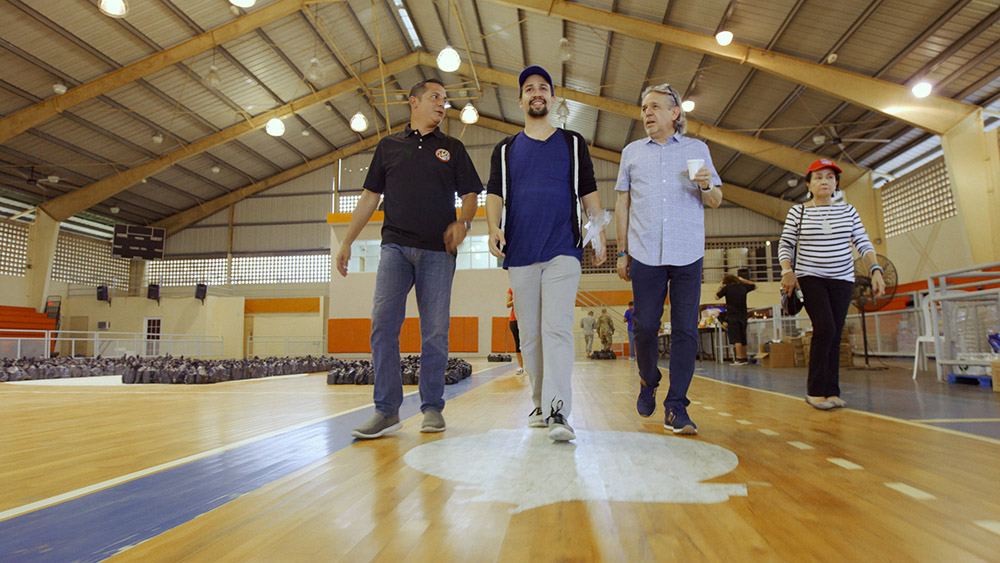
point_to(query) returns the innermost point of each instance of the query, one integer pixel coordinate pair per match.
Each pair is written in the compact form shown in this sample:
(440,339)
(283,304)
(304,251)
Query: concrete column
(973,160)
(42,237)
(136,277)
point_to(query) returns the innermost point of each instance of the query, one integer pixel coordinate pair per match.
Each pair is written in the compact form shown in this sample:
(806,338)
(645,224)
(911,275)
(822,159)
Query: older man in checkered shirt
(660,216)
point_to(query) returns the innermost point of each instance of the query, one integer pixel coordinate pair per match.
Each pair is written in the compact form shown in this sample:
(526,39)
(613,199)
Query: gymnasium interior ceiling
(138,141)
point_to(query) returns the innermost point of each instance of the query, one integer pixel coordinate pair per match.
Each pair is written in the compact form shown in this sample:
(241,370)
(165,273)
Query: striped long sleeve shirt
(824,255)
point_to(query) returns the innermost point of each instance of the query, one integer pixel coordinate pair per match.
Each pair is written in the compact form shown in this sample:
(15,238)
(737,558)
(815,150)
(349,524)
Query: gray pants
(544,298)
(588,340)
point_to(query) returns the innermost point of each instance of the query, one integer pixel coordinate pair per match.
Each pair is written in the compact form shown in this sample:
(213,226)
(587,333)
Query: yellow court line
(933,420)
(917,424)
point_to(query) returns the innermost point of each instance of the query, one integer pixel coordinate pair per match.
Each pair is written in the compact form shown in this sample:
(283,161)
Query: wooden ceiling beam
(20,121)
(67,205)
(936,114)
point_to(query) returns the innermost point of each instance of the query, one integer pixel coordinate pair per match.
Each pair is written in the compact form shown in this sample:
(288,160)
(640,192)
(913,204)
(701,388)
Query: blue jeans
(401,268)
(631,342)
(650,286)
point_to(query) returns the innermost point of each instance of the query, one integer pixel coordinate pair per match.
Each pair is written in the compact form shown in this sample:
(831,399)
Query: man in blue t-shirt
(536,178)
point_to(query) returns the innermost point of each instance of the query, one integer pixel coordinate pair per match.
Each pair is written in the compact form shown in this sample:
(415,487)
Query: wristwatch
(468,224)
(620,254)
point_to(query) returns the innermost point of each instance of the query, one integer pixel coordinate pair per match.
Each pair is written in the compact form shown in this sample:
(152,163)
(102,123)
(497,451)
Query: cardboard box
(995,368)
(782,355)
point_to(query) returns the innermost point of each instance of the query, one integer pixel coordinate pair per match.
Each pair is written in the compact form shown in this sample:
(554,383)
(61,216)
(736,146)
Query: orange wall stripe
(353,336)
(285,305)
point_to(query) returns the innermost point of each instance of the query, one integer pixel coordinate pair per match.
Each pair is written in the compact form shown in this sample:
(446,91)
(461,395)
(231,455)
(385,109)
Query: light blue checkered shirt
(666,223)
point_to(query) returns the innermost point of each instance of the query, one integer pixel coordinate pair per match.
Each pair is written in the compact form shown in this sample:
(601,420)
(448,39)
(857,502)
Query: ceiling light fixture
(314,72)
(831,58)
(305,132)
(792,182)
(59,88)
(724,38)
(275,127)
(819,139)
(243,3)
(687,105)
(359,122)
(212,78)
(114,8)
(157,138)
(470,114)
(114,209)
(565,50)
(52,178)
(448,59)
(216,170)
(562,111)
(922,89)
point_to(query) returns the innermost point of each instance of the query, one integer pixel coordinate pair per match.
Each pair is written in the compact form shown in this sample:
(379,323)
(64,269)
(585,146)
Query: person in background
(418,171)
(631,333)
(824,271)
(587,323)
(514,332)
(605,328)
(665,182)
(735,289)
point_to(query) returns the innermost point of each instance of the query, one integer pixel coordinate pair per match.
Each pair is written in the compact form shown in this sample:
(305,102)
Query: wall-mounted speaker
(153,292)
(200,291)
(102,293)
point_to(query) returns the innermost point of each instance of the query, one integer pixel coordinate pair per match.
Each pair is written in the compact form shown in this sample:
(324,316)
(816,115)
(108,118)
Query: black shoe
(559,429)
(646,403)
(678,420)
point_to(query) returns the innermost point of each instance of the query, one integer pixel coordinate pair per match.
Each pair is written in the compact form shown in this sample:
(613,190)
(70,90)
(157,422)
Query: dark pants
(517,336)
(826,302)
(650,286)
(736,327)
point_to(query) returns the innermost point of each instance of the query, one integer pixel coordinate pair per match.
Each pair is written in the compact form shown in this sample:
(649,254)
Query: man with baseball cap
(537,179)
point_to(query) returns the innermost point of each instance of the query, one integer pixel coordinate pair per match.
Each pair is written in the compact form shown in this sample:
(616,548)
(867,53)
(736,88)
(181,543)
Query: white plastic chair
(920,358)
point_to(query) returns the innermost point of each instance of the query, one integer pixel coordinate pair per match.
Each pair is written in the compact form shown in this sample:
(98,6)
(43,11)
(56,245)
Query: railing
(286,346)
(108,344)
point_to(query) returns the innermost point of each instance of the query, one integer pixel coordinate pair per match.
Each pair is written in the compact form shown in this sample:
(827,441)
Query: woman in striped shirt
(824,271)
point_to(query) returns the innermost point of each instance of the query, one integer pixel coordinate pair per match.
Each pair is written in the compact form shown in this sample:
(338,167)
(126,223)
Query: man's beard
(537,112)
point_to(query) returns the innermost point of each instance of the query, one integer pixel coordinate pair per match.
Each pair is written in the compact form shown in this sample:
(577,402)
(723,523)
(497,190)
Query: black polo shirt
(736,297)
(419,177)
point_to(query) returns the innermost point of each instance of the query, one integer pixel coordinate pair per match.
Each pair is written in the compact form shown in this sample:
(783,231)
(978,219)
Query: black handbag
(791,303)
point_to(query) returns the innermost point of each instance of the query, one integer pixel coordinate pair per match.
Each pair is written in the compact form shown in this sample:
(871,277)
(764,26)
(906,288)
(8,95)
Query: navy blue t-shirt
(539,222)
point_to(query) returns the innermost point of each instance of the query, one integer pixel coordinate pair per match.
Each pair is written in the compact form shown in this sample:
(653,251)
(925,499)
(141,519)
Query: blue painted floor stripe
(98,525)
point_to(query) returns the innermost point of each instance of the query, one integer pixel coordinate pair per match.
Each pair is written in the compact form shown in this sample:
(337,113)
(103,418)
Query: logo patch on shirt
(443,155)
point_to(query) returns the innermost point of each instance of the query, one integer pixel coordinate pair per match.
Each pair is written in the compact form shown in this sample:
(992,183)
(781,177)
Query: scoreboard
(134,241)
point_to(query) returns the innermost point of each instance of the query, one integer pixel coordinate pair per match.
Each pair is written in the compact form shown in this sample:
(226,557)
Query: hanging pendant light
(448,59)
(470,114)
(59,88)
(565,50)
(114,8)
(212,78)
(275,127)
(243,3)
(562,111)
(724,38)
(687,105)
(922,89)
(314,72)
(359,122)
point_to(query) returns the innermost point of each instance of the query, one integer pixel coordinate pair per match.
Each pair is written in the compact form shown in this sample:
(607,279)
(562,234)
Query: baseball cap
(823,163)
(534,69)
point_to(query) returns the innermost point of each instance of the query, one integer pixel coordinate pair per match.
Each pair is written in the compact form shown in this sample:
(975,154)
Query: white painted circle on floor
(526,469)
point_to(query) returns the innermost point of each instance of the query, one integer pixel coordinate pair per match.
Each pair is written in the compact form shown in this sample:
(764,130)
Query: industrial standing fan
(864,297)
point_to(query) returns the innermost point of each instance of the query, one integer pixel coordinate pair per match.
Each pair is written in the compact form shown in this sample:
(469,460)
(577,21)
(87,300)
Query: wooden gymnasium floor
(266,471)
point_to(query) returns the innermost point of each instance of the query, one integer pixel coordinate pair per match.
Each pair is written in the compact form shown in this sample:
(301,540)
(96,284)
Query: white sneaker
(520,371)
(536,419)
(560,430)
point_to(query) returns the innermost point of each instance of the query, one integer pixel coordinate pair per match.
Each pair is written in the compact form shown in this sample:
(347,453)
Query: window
(14,242)
(347,203)
(480,200)
(298,268)
(922,197)
(473,254)
(86,261)
(211,271)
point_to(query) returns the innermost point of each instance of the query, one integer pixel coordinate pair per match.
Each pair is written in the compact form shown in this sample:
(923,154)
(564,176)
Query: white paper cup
(694,165)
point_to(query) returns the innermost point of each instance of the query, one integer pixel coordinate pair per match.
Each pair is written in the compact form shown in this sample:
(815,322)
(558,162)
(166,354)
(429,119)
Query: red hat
(824,163)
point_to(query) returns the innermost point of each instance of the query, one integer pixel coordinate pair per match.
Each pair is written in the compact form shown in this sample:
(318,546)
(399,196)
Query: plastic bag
(595,226)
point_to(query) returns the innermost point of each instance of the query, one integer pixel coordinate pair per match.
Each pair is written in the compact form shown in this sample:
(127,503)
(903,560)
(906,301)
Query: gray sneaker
(433,421)
(536,419)
(376,426)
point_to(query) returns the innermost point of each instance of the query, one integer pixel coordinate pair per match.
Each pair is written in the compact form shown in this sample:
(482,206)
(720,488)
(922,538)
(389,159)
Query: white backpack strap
(503,184)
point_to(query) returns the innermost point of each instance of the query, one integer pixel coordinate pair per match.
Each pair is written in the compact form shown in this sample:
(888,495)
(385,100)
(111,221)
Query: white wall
(940,247)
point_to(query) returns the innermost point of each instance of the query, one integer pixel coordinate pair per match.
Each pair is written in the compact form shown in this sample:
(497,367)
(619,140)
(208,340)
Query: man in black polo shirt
(735,289)
(418,171)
